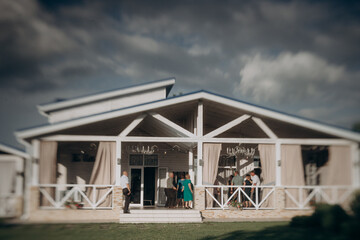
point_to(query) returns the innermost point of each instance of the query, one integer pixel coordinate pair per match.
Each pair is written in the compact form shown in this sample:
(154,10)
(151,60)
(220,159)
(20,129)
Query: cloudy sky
(301,57)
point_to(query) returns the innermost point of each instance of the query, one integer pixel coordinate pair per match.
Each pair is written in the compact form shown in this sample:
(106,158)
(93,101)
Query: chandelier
(240,151)
(141,149)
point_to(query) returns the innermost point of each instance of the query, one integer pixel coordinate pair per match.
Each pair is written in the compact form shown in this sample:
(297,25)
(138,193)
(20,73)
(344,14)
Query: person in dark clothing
(247,190)
(124,183)
(170,191)
(180,194)
(230,189)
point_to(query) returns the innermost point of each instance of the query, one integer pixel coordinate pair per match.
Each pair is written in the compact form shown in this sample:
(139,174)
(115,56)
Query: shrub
(355,205)
(326,217)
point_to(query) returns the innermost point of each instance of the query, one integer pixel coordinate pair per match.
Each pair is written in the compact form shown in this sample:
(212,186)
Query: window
(151,160)
(143,160)
(136,159)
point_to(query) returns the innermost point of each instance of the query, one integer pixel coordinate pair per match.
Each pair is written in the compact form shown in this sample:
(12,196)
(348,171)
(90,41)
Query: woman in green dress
(188,191)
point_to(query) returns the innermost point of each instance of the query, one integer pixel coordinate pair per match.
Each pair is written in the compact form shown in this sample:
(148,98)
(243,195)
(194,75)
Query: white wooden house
(142,130)
(12,175)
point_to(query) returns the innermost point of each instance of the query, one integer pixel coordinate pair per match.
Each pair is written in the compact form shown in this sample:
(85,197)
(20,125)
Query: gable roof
(47,129)
(49,107)
(13,151)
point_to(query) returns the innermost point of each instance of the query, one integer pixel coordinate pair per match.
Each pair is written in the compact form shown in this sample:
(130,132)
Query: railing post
(301,198)
(93,197)
(256,197)
(222,197)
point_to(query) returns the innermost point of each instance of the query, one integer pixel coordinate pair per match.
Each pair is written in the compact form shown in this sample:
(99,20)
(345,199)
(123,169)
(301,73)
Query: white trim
(171,124)
(302,141)
(200,95)
(132,125)
(228,126)
(264,127)
(13,151)
(97,97)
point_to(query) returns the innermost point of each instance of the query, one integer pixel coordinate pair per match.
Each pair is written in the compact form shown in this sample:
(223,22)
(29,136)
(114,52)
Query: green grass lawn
(208,230)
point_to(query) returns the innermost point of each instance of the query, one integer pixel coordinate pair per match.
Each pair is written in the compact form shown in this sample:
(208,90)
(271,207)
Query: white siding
(107,105)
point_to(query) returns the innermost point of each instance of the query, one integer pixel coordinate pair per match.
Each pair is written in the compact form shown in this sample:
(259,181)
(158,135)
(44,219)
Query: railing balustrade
(90,196)
(304,197)
(261,196)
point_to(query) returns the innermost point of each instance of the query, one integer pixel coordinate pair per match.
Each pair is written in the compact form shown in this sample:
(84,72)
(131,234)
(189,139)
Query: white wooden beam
(171,124)
(191,164)
(118,163)
(355,156)
(200,133)
(35,161)
(132,125)
(199,174)
(278,164)
(200,119)
(79,138)
(302,141)
(264,127)
(228,126)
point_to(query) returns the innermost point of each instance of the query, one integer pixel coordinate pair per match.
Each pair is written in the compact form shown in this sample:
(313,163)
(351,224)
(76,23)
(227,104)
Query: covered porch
(86,160)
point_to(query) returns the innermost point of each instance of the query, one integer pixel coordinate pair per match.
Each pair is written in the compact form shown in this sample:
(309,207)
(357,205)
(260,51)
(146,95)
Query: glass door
(136,178)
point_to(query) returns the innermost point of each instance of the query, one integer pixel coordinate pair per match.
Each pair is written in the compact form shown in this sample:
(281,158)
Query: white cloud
(287,77)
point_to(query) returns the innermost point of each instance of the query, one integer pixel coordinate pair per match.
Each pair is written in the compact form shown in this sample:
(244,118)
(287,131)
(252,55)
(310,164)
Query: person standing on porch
(237,181)
(188,191)
(170,191)
(255,182)
(180,193)
(124,183)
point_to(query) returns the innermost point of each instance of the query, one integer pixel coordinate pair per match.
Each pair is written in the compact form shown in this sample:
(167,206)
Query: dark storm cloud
(68,48)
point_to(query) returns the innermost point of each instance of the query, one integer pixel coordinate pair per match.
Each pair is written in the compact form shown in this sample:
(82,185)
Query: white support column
(118,162)
(199,164)
(200,126)
(355,156)
(278,163)
(191,164)
(35,161)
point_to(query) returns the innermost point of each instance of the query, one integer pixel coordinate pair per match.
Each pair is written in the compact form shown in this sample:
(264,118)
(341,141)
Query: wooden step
(161,216)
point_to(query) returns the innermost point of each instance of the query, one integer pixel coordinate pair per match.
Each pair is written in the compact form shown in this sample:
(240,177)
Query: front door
(143,186)
(136,177)
(149,186)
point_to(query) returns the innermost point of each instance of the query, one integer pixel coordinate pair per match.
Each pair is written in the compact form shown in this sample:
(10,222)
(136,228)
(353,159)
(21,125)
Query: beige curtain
(103,172)
(337,171)
(211,155)
(292,171)
(268,173)
(47,168)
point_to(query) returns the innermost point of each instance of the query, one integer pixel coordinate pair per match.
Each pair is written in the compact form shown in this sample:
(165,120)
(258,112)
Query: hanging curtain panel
(337,170)
(47,168)
(292,171)
(268,172)
(103,172)
(211,155)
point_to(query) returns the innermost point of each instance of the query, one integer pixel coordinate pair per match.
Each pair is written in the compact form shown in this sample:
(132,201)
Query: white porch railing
(261,194)
(8,205)
(303,197)
(91,196)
